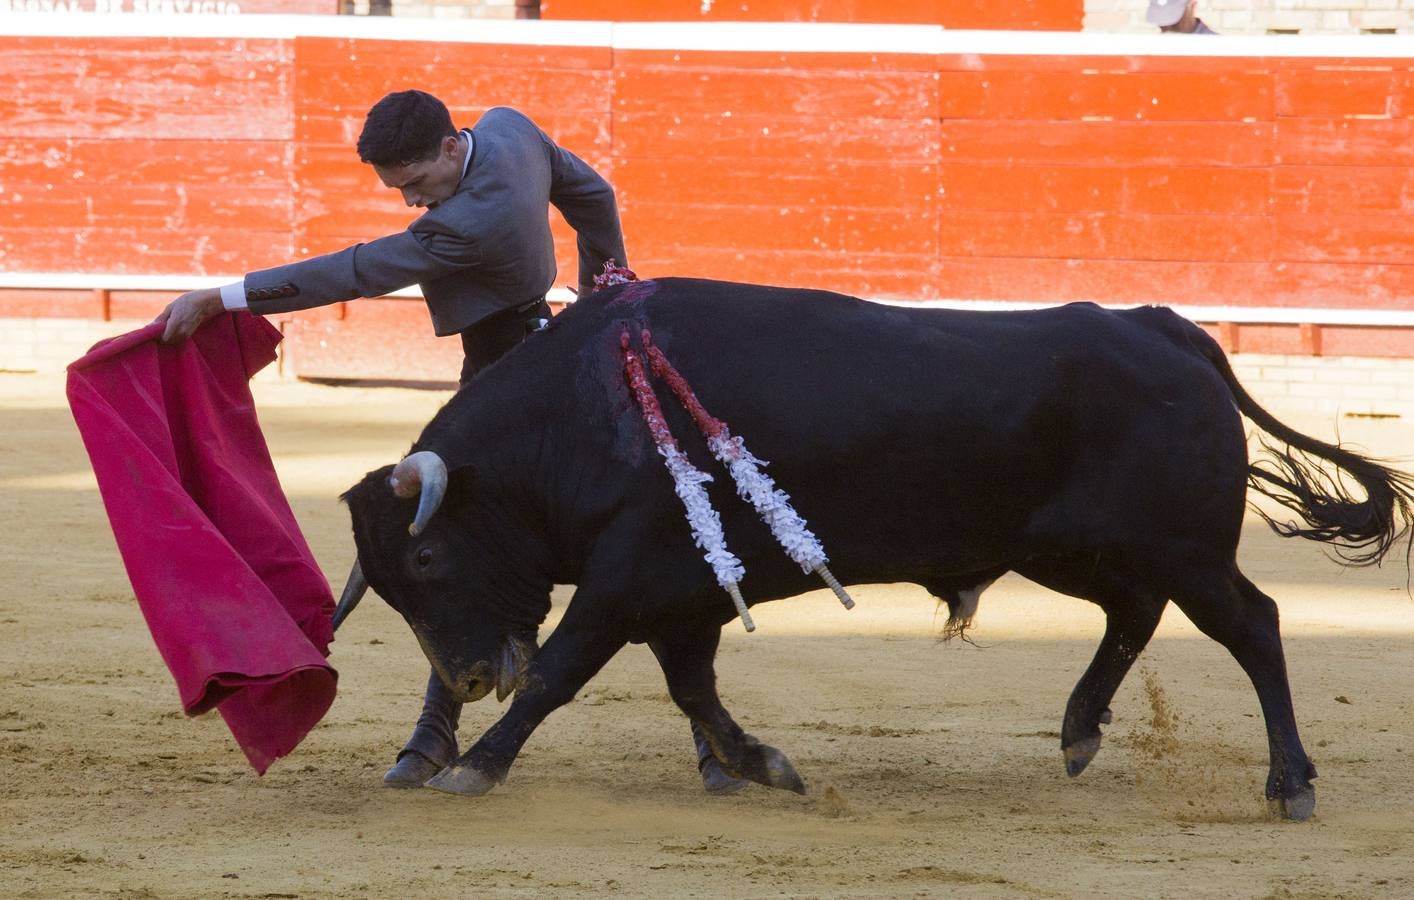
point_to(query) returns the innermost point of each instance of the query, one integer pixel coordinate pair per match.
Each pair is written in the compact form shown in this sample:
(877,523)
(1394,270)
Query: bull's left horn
(422,475)
(354,590)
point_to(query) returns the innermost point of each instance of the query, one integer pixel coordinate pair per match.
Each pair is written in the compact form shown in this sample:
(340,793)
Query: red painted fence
(903,164)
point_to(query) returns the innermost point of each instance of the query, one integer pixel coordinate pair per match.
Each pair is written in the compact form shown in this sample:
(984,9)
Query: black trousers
(494,336)
(435,735)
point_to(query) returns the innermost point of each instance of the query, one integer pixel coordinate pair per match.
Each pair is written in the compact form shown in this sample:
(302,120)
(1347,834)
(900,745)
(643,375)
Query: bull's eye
(424,557)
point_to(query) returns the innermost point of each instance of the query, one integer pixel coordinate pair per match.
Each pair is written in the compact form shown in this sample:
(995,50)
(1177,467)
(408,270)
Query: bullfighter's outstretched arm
(364,270)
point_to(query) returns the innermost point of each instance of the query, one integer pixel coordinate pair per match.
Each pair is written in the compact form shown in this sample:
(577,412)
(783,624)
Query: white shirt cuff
(233,295)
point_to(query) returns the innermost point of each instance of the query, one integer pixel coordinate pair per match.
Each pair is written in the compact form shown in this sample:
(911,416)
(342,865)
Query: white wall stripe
(476,31)
(812,37)
(1249,315)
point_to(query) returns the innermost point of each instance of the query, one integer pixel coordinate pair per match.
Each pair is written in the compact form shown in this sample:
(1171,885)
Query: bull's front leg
(574,653)
(686,656)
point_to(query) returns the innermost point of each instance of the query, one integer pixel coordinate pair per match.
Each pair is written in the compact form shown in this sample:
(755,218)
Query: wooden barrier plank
(49,304)
(192,186)
(1344,238)
(1336,190)
(1000,94)
(1402,104)
(145,88)
(187,199)
(1366,88)
(1282,340)
(1105,236)
(1288,284)
(858,274)
(727,91)
(571,107)
(128,250)
(387,61)
(1003,187)
(387,339)
(1362,285)
(834,182)
(1118,281)
(769,228)
(799,139)
(1235,144)
(82,304)
(139,304)
(1344,142)
(1337,340)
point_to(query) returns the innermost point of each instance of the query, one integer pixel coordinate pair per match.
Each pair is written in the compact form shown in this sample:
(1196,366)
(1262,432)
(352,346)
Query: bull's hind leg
(1130,620)
(686,657)
(1132,612)
(1232,611)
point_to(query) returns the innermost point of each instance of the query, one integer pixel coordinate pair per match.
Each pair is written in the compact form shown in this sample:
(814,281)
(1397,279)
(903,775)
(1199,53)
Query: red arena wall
(1263,187)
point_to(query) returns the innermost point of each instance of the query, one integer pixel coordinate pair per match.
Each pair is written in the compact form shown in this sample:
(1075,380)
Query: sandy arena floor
(935,770)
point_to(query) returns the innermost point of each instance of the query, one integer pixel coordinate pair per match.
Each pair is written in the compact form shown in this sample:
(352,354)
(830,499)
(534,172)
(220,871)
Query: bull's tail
(1311,478)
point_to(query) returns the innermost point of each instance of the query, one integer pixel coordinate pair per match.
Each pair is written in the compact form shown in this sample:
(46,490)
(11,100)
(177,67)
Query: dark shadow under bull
(1098,453)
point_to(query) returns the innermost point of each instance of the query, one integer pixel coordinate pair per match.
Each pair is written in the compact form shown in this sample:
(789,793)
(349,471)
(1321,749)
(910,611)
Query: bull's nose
(476,688)
(477,683)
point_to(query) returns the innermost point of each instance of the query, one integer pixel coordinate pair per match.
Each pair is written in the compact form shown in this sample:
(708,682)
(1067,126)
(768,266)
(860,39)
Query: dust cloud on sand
(935,769)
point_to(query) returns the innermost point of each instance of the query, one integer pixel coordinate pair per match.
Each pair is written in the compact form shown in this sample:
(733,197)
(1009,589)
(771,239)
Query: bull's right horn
(354,590)
(422,475)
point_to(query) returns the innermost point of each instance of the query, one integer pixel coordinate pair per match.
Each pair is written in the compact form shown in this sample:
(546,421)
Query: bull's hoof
(717,782)
(1079,754)
(464,780)
(410,771)
(779,772)
(1297,808)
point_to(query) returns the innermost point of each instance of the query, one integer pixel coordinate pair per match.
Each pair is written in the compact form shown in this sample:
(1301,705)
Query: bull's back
(844,365)
(896,427)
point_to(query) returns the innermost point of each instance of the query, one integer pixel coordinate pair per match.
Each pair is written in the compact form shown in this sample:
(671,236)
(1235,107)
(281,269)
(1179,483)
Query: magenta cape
(232,595)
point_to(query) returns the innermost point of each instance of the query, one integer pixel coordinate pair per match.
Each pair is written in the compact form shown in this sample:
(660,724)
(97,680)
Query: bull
(1098,453)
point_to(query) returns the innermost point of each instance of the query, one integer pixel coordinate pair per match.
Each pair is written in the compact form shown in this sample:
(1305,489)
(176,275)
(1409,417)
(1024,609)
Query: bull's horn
(422,475)
(354,590)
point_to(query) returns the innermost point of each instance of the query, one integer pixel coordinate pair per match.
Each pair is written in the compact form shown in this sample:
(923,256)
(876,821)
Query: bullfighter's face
(428,182)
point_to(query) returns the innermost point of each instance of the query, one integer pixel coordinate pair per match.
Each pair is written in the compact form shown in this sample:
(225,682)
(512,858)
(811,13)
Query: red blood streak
(709,425)
(637,380)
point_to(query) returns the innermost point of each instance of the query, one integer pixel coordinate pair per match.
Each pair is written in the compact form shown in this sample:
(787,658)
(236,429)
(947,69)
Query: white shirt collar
(466,161)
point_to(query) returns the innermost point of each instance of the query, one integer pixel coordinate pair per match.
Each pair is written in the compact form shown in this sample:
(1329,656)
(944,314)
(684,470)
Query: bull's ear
(367,486)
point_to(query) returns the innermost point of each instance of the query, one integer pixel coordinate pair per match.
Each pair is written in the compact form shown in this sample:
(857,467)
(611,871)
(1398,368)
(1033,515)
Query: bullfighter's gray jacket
(484,249)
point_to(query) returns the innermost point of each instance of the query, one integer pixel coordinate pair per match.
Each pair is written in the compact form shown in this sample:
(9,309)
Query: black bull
(1098,453)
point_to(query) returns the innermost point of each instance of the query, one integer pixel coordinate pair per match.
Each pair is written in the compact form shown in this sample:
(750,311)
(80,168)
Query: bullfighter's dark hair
(404,127)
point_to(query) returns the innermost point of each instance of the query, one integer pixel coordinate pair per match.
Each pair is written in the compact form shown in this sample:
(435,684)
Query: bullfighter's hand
(186,314)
